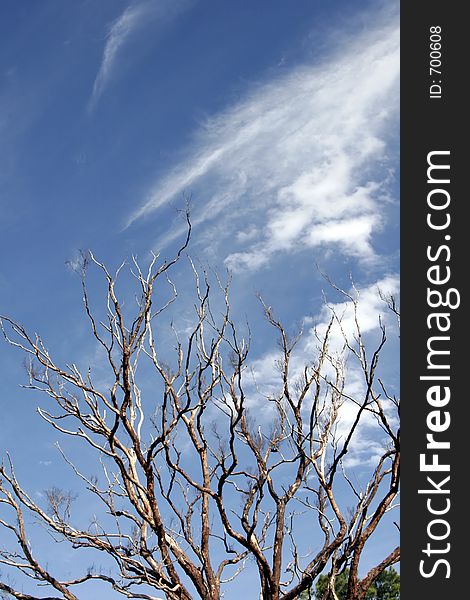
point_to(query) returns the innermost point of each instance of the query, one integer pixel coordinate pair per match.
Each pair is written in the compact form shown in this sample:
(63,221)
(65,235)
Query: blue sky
(279,119)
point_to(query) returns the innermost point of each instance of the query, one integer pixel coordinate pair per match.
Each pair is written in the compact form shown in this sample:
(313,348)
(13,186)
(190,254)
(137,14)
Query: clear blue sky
(279,118)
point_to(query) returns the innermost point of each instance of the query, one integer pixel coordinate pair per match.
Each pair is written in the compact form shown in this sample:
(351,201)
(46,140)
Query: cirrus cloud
(132,20)
(303,161)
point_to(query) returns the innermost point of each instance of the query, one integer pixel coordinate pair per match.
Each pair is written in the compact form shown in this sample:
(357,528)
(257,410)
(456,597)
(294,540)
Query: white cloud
(119,33)
(370,309)
(303,158)
(131,20)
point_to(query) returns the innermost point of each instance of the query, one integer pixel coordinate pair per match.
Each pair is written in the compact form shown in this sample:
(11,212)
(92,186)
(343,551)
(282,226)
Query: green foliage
(385,587)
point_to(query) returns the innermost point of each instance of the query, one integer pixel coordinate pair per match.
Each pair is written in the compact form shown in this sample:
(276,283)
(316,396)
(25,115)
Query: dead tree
(193,486)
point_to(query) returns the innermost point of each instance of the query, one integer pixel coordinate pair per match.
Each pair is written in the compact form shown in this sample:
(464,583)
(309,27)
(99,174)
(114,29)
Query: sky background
(278,119)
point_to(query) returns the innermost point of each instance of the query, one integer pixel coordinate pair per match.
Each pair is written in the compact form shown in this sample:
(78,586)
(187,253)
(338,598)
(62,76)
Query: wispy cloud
(303,158)
(130,22)
(120,31)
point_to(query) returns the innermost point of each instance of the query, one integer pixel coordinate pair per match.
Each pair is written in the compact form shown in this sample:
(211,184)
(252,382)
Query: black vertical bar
(433,262)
